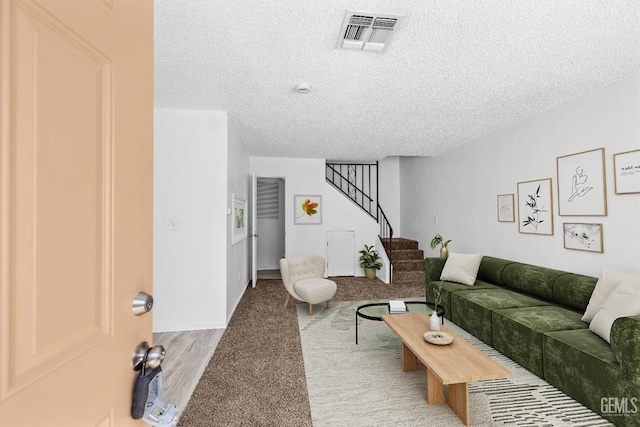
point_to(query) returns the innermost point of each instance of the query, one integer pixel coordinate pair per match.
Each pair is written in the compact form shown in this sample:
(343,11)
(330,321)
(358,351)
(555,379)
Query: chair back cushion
(294,269)
(306,267)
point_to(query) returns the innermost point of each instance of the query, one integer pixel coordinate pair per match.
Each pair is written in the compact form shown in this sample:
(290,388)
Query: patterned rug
(364,385)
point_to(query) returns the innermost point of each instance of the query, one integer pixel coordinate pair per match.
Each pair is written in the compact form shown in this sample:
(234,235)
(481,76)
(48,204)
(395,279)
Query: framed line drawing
(238,218)
(582,188)
(505,208)
(583,237)
(307,209)
(626,175)
(535,207)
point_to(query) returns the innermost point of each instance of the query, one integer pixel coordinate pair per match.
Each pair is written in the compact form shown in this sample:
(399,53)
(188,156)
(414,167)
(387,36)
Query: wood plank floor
(188,354)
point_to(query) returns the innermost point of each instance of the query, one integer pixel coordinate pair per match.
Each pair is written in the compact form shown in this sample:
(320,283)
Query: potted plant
(438,240)
(370,261)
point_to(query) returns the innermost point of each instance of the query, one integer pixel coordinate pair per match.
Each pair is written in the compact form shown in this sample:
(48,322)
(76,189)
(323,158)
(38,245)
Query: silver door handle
(147,357)
(142,303)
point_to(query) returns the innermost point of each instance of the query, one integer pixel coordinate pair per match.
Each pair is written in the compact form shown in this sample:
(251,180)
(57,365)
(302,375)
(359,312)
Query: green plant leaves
(369,258)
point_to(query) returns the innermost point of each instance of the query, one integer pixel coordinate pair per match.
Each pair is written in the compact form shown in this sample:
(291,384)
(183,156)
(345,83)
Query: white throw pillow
(461,268)
(623,301)
(609,280)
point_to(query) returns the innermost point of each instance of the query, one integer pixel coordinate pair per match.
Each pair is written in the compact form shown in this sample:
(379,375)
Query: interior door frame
(254,229)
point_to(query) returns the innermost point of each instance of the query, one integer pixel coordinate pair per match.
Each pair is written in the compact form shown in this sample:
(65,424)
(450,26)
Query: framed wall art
(307,209)
(627,172)
(583,237)
(535,207)
(582,186)
(505,208)
(238,218)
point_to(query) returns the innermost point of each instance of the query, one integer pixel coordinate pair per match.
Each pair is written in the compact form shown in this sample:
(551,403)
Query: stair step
(403,254)
(409,276)
(400,243)
(408,264)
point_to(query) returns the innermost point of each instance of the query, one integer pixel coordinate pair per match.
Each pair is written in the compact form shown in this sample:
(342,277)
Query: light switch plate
(171,224)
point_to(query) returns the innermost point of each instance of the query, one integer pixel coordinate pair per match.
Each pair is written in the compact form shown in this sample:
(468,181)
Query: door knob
(139,358)
(142,303)
(147,357)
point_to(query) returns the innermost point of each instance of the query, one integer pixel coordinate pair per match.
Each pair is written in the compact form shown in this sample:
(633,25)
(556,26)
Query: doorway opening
(270,220)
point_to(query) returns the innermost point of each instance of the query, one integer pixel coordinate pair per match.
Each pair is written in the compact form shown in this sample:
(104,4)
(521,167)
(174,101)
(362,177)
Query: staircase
(359,182)
(408,260)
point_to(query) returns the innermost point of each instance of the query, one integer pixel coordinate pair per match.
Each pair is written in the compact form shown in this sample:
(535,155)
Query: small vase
(434,322)
(444,252)
(370,273)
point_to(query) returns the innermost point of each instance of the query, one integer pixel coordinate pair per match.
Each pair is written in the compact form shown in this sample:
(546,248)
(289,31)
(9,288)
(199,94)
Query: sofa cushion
(449,287)
(471,310)
(517,332)
(609,279)
(491,269)
(581,364)
(623,301)
(433,268)
(574,290)
(531,279)
(461,268)
(626,345)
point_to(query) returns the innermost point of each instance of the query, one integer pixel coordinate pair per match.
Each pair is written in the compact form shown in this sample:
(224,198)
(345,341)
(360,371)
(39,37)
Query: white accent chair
(303,279)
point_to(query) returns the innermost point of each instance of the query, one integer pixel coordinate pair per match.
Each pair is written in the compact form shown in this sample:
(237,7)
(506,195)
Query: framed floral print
(307,209)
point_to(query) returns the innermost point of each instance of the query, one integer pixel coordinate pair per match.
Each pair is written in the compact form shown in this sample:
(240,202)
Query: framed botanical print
(238,218)
(535,207)
(307,209)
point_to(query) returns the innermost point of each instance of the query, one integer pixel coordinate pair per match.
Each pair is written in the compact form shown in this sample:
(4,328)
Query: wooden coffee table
(456,364)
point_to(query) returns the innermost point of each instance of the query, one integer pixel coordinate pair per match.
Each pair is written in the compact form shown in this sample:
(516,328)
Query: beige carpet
(256,376)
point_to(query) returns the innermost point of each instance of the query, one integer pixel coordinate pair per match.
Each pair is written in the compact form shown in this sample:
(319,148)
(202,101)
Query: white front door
(76,152)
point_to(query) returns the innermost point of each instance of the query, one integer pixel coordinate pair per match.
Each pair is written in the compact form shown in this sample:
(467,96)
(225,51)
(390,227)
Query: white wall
(238,179)
(389,189)
(460,186)
(307,176)
(198,277)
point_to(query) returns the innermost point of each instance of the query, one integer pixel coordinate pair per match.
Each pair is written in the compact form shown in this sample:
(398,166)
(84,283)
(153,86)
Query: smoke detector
(367,31)
(303,87)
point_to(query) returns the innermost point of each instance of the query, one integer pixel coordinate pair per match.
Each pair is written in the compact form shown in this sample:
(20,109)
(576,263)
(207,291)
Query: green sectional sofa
(533,315)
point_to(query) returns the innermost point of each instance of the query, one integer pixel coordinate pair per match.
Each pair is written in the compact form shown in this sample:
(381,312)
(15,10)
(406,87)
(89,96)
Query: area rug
(364,385)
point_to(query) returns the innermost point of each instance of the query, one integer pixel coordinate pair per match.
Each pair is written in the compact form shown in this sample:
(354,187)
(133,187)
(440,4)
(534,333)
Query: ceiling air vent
(367,31)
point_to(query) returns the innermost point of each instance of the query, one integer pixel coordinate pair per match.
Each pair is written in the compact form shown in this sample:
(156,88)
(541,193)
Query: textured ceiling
(455,70)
